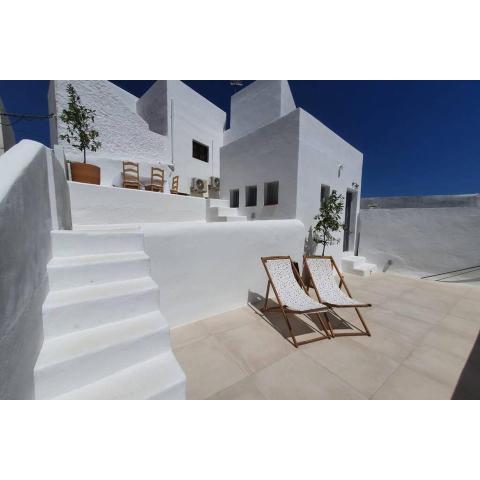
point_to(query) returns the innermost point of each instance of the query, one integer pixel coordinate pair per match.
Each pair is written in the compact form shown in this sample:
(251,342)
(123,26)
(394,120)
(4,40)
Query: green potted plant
(80,134)
(328,221)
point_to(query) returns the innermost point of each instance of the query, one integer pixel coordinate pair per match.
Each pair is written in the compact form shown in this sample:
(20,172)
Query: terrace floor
(423,333)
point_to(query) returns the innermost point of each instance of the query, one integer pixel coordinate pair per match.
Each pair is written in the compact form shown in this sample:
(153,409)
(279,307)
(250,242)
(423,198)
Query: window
(251,196)
(324,193)
(271,193)
(234,198)
(199,151)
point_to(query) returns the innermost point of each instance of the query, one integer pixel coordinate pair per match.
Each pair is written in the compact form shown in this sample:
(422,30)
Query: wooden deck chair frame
(131,176)
(311,284)
(285,310)
(156,180)
(174,188)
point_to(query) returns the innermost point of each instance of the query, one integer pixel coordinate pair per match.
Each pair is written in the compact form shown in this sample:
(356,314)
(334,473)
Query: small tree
(79,120)
(328,221)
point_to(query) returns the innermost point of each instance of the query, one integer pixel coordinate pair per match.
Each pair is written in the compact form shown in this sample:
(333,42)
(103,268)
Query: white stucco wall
(94,205)
(421,241)
(184,115)
(206,269)
(321,151)
(25,224)
(266,155)
(258,104)
(123,133)
(7,135)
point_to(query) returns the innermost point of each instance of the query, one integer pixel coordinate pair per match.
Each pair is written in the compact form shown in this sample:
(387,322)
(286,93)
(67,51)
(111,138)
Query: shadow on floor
(307,325)
(468,385)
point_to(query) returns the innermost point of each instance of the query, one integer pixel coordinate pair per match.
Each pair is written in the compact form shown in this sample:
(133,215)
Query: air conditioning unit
(214,183)
(199,185)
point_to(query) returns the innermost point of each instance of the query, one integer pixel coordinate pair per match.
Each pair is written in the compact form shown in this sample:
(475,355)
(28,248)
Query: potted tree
(328,221)
(80,134)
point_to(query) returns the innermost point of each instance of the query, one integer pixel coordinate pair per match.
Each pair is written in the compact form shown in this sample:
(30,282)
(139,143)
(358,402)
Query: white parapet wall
(94,205)
(421,241)
(207,269)
(33,198)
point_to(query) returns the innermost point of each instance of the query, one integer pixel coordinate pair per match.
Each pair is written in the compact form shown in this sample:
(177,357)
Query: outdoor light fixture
(355,185)
(340,168)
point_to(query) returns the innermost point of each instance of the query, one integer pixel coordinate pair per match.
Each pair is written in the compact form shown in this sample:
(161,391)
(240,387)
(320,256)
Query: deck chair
(131,177)
(290,294)
(156,180)
(319,275)
(174,188)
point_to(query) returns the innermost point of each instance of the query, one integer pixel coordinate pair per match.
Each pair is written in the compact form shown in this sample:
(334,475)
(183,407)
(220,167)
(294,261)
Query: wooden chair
(131,176)
(319,275)
(174,188)
(156,180)
(291,295)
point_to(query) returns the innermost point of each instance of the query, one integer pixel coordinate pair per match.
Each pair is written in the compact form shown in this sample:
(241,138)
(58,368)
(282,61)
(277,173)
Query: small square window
(251,196)
(234,198)
(199,151)
(271,193)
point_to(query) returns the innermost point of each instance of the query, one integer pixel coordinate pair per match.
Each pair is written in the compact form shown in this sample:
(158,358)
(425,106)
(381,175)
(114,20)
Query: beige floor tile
(450,341)
(407,384)
(298,377)
(467,308)
(437,302)
(409,309)
(461,325)
(255,345)
(227,321)
(363,368)
(243,390)
(185,334)
(386,341)
(411,327)
(208,367)
(473,293)
(439,365)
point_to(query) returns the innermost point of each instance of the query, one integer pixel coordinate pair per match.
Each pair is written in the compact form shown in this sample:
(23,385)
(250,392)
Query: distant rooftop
(430,201)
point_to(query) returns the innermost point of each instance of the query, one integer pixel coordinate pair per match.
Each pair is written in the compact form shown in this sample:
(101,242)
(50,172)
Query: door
(348,222)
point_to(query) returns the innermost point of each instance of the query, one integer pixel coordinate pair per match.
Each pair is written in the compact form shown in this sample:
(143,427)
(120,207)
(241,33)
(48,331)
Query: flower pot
(85,173)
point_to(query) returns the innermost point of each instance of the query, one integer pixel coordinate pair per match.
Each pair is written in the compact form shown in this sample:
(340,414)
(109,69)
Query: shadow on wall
(468,386)
(310,246)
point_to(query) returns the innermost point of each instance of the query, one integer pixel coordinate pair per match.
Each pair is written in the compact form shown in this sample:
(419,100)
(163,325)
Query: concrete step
(83,270)
(217,202)
(68,243)
(118,228)
(235,218)
(350,262)
(68,310)
(158,378)
(365,269)
(71,361)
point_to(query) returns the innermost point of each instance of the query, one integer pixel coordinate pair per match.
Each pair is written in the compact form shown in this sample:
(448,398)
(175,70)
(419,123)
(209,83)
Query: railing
(462,270)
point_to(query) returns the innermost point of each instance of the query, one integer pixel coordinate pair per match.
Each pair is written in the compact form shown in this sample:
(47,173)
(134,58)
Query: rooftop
(423,333)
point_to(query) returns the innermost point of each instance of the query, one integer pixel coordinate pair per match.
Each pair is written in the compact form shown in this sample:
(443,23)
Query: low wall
(28,181)
(204,269)
(94,205)
(421,241)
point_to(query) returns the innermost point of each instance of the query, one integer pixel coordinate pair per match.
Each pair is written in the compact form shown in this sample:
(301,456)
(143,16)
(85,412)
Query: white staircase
(357,265)
(220,211)
(104,336)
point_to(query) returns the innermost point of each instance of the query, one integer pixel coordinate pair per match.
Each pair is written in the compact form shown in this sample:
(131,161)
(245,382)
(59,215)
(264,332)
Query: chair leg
(266,297)
(323,324)
(289,328)
(327,320)
(363,322)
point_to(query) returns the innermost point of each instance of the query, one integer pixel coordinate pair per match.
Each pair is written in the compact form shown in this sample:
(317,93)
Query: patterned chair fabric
(289,291)
(321,271)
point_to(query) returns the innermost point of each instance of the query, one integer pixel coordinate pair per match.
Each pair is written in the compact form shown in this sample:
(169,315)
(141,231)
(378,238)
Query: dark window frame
(324,188)
(270,196)
(251,196)
(200,151)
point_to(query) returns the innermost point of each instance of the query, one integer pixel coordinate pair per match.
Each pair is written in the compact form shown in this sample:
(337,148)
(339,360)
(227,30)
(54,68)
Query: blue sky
(417,137)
